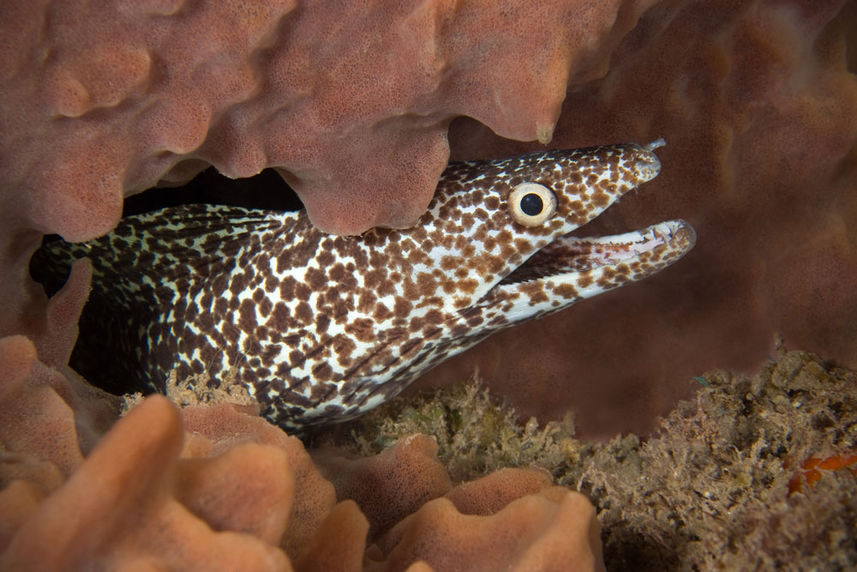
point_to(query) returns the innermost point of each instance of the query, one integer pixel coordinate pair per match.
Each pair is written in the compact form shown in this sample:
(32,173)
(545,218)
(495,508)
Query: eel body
(321,328)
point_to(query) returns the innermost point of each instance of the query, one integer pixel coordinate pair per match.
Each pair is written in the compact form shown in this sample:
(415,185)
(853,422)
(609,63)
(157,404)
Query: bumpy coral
(103,100)
(392,484)
(119,506)
(536,532)
(213,487)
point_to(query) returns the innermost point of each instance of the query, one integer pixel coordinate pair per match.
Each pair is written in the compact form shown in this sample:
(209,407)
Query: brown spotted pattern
(321,328)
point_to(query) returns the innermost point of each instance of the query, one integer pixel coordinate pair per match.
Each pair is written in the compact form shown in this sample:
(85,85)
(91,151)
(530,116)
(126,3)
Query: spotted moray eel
(322,328)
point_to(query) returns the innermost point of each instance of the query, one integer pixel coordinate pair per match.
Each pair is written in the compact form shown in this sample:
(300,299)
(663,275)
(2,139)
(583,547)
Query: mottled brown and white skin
(321,328)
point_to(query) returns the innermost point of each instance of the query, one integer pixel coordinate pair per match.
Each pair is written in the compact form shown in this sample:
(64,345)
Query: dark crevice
(267,190)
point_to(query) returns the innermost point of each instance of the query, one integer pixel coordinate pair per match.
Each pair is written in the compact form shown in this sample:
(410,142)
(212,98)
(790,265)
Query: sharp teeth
(598,251)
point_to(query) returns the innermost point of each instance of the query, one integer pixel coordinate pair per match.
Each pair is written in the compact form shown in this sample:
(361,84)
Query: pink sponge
(349,101)
(215,488)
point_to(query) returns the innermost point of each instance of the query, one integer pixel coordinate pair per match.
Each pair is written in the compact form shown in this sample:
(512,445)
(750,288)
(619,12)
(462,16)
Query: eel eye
(531,204)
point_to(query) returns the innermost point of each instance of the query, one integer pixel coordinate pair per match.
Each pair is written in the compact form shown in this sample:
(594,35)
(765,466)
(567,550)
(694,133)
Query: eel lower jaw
(630,257)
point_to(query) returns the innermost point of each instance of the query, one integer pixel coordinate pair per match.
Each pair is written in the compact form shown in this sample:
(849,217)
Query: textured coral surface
(214,488)
(105,99)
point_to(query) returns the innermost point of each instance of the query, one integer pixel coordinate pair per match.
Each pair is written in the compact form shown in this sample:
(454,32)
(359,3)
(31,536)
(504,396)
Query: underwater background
(706,413)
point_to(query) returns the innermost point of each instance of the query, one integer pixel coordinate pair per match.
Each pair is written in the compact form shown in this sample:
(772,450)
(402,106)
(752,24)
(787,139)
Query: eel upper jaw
(628,257)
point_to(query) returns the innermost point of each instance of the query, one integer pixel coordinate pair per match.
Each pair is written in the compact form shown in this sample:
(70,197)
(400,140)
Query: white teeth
(576,255)
(639,240)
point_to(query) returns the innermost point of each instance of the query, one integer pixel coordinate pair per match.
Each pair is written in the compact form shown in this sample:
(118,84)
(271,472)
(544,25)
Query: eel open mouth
(643,252)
